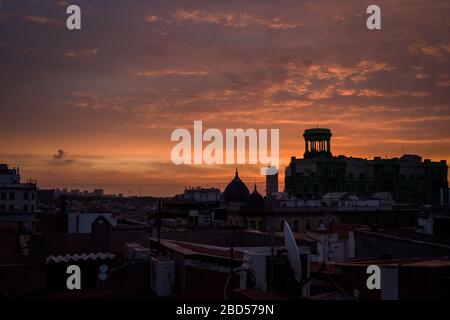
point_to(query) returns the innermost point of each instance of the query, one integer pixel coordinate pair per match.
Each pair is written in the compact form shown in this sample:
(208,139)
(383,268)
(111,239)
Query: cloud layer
(113,92)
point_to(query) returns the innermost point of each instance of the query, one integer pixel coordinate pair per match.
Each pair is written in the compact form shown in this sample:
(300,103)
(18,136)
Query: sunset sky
(95,108)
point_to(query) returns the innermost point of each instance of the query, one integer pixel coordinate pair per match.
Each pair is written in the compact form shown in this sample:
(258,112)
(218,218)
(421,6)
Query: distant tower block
(317,143)
(271,183)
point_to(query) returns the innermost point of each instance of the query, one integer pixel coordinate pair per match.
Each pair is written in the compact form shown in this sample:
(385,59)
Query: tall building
(16,197)
(409,179)
(271,182)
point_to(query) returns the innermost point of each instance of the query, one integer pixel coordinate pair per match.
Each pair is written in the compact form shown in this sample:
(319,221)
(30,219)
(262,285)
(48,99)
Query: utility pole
(159,221)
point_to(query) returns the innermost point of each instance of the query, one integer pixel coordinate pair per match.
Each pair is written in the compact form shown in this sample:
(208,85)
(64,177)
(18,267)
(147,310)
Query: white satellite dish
(293,253)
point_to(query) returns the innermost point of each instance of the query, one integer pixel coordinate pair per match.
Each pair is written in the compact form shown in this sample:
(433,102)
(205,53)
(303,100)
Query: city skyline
(96,107)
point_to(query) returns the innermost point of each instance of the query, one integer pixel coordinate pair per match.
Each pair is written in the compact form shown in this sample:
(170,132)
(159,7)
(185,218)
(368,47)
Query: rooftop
(196,249)
(408,262)
(410,235)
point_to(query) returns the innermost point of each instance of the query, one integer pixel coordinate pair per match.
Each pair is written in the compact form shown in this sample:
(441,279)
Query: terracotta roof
(191,249)
(410,235)
(298,236)
(315,266)
(408,262)
(205,250)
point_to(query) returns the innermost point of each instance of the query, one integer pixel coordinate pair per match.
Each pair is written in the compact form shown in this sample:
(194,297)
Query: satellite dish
(293,253)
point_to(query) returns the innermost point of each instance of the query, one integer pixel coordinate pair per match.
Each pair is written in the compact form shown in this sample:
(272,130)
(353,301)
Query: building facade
(409,179)
(252,212)
(16,197)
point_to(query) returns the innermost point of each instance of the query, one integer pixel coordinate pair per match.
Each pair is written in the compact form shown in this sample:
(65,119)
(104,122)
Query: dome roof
(256,200)
(236,191)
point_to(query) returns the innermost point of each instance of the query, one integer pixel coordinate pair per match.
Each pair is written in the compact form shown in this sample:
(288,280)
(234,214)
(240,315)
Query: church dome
(236,191)
(256,200)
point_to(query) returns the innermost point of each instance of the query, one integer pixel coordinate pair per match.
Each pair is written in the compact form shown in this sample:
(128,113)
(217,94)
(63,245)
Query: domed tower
(256,201)
(236,191)
(317,143)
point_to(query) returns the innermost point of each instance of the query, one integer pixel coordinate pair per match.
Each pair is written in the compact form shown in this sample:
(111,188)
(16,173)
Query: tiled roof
(76,257)
(409,235)
(407,262)
(190,249)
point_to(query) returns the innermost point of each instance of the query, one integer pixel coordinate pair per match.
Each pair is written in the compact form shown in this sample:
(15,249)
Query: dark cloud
(61,156)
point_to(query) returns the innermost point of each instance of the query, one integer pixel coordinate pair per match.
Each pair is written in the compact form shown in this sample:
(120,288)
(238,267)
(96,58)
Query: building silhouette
(16,196)
(409,179)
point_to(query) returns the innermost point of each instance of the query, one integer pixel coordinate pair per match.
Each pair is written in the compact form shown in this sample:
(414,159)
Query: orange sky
(110,95)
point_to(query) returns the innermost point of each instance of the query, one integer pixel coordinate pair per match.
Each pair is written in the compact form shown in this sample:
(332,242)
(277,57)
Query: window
(25,196)
(2,207)
(32,208)
(3,196)
(25,208)
(11,208)
(33,195)
(12,196)
(252,224)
